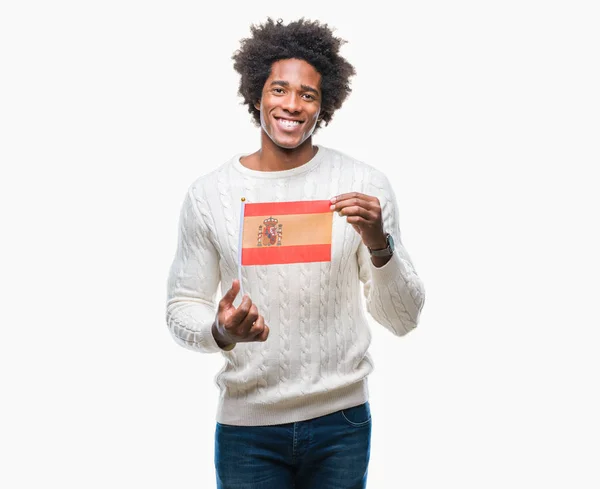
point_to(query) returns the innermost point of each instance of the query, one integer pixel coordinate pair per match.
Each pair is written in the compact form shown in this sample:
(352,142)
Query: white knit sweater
(315,360)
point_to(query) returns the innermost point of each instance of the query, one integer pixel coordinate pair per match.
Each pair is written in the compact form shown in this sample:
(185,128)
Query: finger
(239,315)
(257,328)
(352,195)
(359,211)
(342,204)
(264,335)
(248,321)
(357,221)
(231,294)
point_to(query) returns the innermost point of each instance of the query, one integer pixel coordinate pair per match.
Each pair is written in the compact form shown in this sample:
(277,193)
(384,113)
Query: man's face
(290,102)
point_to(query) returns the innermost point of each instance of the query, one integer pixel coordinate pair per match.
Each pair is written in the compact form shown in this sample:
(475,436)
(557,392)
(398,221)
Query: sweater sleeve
(394,292)
(192,284)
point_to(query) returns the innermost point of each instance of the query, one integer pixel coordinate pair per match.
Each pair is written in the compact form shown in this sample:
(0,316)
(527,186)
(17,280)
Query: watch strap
(387,251)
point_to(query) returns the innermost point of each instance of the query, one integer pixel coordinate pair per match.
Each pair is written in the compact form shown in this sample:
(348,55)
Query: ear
(257,105)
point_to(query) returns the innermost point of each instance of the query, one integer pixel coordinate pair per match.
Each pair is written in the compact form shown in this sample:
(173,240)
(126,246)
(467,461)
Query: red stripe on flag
(283,208)
(273,255)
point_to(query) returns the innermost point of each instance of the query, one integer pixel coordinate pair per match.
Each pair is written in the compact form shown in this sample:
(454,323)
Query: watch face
(390,241)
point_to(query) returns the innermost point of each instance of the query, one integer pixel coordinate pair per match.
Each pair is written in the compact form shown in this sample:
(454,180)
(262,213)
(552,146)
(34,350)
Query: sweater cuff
(211,343)
(388,272)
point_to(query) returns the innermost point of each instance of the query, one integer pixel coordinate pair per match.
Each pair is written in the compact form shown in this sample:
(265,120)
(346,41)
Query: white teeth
(288,123)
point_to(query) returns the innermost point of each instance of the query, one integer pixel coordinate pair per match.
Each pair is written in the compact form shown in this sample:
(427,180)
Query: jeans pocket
(358,415)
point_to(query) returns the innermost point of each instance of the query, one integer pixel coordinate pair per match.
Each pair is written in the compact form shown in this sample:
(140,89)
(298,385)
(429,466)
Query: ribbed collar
(309,165)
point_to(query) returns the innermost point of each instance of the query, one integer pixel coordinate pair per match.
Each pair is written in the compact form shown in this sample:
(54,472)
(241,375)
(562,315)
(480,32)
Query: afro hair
(303,39)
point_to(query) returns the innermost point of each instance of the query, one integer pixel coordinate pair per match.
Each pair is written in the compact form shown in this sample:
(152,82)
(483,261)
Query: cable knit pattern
(305,288)
(316,358)
(248,348)
(284,308)
(337,303)
(228,219)
(332,177)
(229,247)
(343,275)
(263,303)
(323,337)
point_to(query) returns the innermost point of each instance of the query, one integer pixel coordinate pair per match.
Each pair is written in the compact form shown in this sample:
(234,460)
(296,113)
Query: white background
(485,115)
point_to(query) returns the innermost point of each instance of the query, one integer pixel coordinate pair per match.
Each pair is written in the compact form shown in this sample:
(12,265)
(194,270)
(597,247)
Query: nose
(291,103)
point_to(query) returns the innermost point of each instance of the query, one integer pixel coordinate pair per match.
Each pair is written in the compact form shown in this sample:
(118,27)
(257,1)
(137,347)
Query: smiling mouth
(288,123)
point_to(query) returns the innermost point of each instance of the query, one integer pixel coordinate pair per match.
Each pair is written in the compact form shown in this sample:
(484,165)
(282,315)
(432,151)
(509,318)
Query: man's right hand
(238,325)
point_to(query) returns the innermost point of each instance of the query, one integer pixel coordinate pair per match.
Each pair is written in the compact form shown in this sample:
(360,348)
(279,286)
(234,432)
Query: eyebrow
(306,88)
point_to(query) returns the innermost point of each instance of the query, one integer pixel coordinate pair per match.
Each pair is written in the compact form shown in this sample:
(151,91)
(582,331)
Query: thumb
(231,294)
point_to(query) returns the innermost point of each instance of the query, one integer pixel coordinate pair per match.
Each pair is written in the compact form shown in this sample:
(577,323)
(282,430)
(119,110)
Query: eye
(308,96)
(278,90)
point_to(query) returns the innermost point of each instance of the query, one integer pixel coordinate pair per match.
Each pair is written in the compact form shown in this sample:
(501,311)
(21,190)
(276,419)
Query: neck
(271,157)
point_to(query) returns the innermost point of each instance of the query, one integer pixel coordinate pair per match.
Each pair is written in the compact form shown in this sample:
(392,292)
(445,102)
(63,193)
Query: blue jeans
(329,452)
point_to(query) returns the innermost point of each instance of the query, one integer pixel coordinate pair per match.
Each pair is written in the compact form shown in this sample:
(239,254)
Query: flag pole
(240,245)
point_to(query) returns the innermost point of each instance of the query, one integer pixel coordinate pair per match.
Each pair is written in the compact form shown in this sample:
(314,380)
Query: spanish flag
(285,232)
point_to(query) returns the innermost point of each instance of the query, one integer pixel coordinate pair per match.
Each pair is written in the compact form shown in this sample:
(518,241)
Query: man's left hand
(364,213)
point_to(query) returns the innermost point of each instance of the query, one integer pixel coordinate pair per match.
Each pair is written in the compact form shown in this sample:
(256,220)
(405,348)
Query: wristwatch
(388,251)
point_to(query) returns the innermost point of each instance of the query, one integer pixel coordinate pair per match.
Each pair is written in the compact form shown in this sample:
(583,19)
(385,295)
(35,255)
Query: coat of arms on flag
(269,233)
(285,232)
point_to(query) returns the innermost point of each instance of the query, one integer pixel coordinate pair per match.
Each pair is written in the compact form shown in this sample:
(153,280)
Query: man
(293,407)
